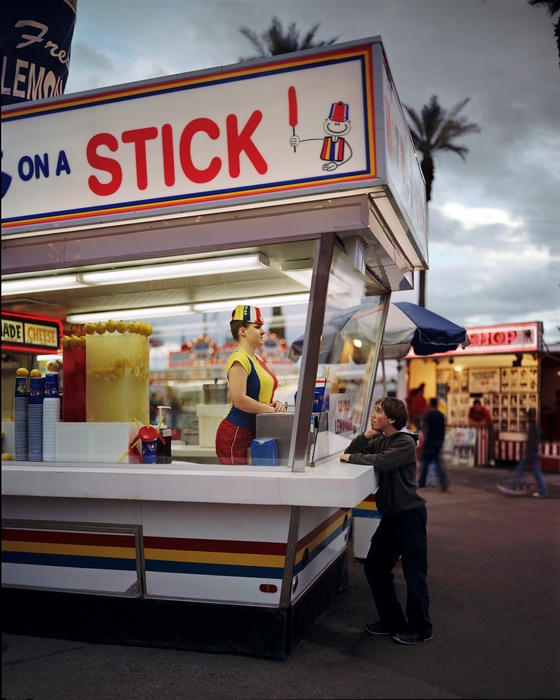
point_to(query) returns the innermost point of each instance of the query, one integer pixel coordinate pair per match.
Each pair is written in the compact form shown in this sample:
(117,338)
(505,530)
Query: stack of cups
(51,413)
(21,401)
(35,418)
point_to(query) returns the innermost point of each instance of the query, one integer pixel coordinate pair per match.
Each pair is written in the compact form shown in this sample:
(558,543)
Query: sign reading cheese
(30,333)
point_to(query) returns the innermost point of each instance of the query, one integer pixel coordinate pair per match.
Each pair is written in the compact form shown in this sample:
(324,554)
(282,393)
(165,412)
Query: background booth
(510,370)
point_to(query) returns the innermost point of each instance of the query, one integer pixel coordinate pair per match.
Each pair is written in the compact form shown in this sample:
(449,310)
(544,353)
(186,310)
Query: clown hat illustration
(339,112)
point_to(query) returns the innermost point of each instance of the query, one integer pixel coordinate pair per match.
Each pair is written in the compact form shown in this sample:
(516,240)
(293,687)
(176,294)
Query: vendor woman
(251,387)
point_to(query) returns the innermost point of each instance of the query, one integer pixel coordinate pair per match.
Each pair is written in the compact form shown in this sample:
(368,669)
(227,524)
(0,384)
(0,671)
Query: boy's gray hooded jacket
(394,459)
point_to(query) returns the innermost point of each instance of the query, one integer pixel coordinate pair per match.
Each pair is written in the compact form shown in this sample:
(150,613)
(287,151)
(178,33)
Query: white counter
(332,484)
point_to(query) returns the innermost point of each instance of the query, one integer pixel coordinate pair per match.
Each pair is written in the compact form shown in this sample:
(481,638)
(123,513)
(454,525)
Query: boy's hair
(395,410)
(433,403)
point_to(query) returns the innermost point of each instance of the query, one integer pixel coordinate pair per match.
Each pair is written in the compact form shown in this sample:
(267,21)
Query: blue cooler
(264,452)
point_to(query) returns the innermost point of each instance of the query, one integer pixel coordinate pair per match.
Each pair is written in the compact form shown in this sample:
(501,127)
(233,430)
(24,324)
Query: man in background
(433,432)
(479,415)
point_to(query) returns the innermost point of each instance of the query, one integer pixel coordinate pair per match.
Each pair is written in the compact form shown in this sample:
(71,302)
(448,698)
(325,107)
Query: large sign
(35,41)
(21,333)
(289,126)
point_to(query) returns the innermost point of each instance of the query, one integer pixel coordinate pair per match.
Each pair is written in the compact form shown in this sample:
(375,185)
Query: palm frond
(277,40)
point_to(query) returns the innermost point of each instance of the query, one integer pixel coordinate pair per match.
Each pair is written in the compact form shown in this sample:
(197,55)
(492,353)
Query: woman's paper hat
(251,314)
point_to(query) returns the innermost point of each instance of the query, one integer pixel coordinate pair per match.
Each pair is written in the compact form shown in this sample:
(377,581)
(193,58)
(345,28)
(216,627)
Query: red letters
(168,157)
(139,137)
(492,338)
(194,174)
(238,141)
(102,163)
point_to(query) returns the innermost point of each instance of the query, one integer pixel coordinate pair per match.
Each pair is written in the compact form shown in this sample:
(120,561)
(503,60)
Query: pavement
(494,573)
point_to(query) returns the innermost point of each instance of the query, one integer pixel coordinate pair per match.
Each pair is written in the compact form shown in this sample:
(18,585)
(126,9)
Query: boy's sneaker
(410,637)
(377,628)
(539,495)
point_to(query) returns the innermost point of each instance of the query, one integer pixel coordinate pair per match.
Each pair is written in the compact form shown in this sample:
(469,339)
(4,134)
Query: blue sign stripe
(205,569)
(364,513)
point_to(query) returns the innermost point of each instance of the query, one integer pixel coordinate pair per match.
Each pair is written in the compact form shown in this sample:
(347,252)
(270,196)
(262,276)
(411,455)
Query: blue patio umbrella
(412,326)
(407,326)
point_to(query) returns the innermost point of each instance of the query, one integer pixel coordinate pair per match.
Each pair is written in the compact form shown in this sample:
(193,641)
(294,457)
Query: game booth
(511,371)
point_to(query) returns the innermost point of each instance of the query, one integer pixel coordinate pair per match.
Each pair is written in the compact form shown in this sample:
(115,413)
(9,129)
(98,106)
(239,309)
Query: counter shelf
(331,483)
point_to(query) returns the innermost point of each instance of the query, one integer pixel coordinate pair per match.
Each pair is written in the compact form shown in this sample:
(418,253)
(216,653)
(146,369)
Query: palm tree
(276,40)
(552,7)
(433,130)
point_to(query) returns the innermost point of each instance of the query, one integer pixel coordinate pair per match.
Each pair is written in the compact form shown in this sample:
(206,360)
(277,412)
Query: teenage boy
(402,530)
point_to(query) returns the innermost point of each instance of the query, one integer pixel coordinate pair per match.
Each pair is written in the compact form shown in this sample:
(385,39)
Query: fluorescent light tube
(39,284)
(261,302)
(139,314)
(194,268)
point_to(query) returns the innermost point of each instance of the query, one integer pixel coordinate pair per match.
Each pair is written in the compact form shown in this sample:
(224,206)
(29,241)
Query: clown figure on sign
(335,150)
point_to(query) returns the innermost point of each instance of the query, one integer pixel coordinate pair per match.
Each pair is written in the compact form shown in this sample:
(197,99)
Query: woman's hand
(345,457)
(278,407)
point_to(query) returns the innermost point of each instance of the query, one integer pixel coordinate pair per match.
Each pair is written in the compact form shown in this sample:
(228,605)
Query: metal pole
(324,248)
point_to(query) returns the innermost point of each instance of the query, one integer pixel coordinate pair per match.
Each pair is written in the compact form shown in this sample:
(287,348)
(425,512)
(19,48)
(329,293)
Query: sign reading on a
(30,333)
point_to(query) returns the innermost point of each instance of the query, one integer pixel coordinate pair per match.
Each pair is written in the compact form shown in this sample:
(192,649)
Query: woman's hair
(395,410)
(235,326)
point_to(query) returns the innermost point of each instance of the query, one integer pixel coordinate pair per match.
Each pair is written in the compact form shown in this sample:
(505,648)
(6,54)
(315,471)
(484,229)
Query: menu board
(484,380)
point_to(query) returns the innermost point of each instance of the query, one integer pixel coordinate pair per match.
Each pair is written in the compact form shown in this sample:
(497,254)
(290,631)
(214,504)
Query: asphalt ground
(494,577)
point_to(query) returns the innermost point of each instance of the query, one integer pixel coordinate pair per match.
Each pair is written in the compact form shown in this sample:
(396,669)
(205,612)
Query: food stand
(290,183)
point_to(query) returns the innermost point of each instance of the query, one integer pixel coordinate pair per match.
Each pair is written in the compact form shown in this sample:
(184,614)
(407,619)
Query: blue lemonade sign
(35,42)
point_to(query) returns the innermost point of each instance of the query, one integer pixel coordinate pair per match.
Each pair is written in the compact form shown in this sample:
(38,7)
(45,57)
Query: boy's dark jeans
(405,536)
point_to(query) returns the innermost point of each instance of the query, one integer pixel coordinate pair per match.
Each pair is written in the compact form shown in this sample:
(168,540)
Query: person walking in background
(433,432)
(417,406)
(516,486)
(401,532)
(251,387)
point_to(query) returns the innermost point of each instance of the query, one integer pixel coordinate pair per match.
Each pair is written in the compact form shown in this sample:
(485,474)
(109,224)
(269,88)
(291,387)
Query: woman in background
(515,485)
(251,387)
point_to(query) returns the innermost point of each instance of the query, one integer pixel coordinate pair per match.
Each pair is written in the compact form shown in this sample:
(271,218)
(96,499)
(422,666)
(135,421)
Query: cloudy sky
(494,243)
